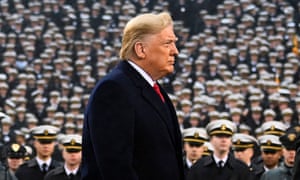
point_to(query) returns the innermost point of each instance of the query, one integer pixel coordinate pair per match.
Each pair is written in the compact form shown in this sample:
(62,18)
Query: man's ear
(139,49)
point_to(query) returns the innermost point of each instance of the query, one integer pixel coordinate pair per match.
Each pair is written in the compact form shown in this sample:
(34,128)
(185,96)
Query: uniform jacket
(206,168)
(186,167)
(280,173)
(59,173)
(30,170)
(129,133)
(256,171)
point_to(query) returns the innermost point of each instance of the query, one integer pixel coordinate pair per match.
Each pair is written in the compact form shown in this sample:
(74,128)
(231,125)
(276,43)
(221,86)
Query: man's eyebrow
(171,39)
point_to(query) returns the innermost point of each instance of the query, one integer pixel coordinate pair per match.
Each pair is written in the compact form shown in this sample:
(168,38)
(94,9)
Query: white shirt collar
(189,163)
(68,172)
(142,72)
(267,169)
(218,159)
(41,162)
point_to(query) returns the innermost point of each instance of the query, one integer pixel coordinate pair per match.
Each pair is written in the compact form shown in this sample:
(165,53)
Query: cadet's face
(271,159)
(14,163)
(194,122)
(160,51)
(244,155)
(221,143)
(44,150)
(289,156)
(193,152)
(72,158)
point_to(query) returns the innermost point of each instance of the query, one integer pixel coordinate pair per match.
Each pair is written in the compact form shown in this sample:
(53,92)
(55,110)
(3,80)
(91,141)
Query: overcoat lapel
(150,96)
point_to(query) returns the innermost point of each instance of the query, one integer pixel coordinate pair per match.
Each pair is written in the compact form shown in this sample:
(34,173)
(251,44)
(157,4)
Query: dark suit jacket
(129,133)
(206,168)
(59,173)
(31,170)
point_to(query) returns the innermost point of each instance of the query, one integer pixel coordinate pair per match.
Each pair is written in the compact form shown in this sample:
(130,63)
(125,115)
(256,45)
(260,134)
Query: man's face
(287,118)
(271,159)
(194,122)
(221,143)
(160,51)
(72,158)
(289,157)
(14,163)
(44,150)
(244,155)
(193,150)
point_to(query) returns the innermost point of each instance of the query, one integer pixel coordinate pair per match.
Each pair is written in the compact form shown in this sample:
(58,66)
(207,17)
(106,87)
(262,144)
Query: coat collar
(210,161)
(148,93)
(32,163)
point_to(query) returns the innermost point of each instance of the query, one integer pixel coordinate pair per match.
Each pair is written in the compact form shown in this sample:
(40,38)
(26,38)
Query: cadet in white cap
(194,120)
(193,139)
(285,170)
(44,144)
(244,148)
(6,132)
(274,127)
(269,115)
(242,143)
(221,164)
(255,117)
(180,117)
(288,117)
(271,152)
(72,145)
(245,129)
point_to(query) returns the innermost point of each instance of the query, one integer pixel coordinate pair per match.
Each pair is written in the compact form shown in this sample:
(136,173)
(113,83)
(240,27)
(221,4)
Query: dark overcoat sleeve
(113,153)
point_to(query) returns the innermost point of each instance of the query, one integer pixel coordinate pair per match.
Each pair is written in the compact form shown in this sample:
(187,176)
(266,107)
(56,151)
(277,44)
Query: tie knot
(44,167)
(71,176)
(156,87)
(221,164)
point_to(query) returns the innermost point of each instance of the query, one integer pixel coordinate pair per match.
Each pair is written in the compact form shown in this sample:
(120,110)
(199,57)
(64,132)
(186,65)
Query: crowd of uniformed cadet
(238,60)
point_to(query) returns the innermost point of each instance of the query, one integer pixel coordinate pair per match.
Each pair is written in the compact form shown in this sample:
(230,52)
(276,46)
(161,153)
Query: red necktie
(156,89)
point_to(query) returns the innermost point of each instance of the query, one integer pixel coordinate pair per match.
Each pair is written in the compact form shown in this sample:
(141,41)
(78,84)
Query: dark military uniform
(60,174)
(30,170)
(186,166)
(257,170)
(227,169)
(241,142)
(207,168)
(193,137)
(72,143)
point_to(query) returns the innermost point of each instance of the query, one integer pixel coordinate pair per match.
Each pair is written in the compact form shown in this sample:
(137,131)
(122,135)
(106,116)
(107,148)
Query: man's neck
(267,168)
(221,155)
(44,158)
(72,167)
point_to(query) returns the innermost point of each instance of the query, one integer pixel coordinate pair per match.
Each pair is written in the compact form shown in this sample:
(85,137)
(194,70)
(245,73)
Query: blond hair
(140,27)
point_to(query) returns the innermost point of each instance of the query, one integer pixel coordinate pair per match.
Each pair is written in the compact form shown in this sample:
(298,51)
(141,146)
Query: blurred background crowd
(238,60)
